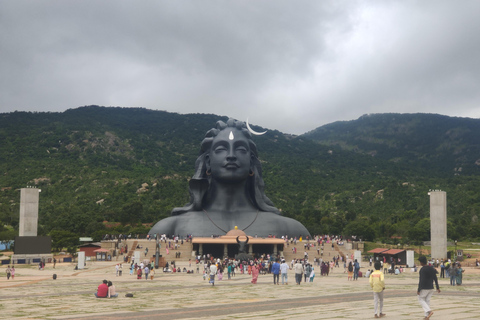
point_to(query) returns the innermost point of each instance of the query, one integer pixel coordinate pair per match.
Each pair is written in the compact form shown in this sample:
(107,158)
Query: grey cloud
(287,65)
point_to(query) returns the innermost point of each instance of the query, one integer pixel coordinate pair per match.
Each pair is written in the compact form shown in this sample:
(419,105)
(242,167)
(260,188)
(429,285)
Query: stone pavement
(35,295)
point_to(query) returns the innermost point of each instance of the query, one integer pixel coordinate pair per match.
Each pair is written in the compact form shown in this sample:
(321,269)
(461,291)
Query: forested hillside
(131,166)
(431,141)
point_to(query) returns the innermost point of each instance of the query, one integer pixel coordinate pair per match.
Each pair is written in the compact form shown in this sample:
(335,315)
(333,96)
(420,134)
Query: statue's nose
(231,156)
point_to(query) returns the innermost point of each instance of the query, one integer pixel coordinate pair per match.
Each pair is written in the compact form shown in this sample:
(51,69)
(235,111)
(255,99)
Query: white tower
(28,212)
(438,223)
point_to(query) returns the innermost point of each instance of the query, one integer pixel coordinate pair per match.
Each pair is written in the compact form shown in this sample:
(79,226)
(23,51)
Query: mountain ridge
(132,165)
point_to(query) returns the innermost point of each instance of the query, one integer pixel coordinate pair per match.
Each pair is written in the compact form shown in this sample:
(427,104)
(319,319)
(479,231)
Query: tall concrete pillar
(410,258)
(438,223)
(225,250)
(28,212)
(81,260)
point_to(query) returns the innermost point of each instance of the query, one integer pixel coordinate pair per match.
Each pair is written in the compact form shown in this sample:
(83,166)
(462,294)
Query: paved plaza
(33,294)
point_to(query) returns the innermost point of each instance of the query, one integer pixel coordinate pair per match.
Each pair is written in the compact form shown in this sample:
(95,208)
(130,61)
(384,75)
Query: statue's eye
(242,149)
(220,149)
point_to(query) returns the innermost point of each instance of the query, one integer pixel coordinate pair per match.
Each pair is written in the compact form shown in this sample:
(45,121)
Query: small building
(397,255)
(377,253)
(89,248)
(103,254)
(388,255)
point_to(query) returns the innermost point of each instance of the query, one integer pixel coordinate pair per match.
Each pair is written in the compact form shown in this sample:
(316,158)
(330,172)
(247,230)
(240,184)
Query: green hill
(430,141)
(369,177)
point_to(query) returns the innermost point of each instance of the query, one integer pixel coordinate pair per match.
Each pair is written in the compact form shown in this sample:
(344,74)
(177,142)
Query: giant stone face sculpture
(227,190)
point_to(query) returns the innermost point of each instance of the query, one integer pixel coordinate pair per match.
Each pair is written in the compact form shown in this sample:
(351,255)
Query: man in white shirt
(213,272)
(284,272)
(298,267)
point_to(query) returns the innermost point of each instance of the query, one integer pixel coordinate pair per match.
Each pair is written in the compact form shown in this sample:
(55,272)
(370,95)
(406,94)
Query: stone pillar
(357,255)
(28,212)
(275,250)
(81,260)
(200,249)
(225,250)
(250,249)
(438,223)
(410,259)
(137,256)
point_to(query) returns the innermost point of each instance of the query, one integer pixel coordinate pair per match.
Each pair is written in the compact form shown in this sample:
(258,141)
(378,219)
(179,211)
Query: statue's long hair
(199,185)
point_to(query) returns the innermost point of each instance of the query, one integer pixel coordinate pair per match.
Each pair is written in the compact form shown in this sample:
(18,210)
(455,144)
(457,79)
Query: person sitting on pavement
(111,290)
(102,290)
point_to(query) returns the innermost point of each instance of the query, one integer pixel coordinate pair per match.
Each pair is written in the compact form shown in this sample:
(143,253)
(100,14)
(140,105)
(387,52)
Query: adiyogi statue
(227,191)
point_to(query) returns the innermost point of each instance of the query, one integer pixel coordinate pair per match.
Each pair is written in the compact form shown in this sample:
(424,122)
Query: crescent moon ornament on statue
(254,132)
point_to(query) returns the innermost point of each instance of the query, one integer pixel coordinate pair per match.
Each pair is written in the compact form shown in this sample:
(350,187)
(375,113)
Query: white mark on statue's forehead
(231,137)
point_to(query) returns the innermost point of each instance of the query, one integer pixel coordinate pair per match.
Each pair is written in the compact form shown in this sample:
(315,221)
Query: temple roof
(236,233)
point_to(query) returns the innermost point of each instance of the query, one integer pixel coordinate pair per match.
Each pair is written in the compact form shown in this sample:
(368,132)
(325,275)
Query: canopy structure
(102,254)
(227,246)
(392,251)
(378,250)
(398,256)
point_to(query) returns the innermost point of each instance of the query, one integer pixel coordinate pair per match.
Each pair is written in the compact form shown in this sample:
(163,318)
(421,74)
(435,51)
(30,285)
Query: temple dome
(236,233)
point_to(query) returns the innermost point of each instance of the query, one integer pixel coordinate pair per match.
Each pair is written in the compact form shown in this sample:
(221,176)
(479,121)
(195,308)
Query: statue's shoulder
(284,225)
(165,226)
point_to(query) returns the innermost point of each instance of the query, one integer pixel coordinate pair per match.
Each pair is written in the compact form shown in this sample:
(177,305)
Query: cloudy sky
(286,65)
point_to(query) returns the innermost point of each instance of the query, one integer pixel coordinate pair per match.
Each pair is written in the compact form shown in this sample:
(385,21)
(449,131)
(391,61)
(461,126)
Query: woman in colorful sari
(255,271)
(459,274)
(220,271)
(350,271)
(312,274)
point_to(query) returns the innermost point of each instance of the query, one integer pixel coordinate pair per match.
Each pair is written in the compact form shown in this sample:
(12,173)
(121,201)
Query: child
(377,282)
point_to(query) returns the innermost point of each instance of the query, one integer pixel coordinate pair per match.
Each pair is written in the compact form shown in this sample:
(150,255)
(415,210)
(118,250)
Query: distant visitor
(227,190)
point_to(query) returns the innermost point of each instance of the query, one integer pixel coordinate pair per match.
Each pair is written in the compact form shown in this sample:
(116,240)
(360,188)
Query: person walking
(427,276)
(146,270)
(9,272)
(308,270)
(298,267)
(460,272)
(276,272)
(284,271)
(312,274)
(377,282)
(213,272)
(453,273)
(356,269)
(350,271)
(255,270)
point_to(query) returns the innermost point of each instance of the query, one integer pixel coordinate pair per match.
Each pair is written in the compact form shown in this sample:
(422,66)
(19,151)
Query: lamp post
(455,250)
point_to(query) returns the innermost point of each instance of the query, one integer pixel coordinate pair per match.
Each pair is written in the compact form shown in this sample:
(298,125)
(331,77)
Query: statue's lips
(231,166)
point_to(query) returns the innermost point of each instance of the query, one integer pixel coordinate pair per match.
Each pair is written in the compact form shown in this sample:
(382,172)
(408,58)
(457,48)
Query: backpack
(350,268)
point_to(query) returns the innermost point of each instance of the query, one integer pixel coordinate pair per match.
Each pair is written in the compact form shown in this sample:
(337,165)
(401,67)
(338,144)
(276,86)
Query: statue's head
(228,155)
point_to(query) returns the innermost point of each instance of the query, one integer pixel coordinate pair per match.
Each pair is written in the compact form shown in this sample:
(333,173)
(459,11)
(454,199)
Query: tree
(360,228)
(131,213)
(421,231)
(64,239)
